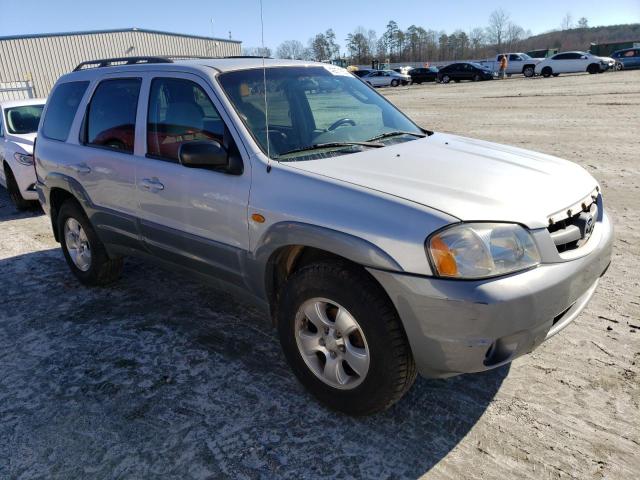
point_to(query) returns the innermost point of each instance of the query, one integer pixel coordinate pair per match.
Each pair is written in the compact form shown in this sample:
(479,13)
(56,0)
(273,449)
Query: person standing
(503,66)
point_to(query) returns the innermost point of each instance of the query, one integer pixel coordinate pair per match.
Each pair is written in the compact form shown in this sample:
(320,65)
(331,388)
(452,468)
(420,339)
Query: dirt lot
(162,376)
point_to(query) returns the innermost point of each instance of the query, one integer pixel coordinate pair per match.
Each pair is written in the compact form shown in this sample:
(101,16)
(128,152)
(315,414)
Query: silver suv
(380,249)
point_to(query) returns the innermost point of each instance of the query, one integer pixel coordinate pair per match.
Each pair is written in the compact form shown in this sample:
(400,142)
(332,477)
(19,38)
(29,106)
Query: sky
(297,20)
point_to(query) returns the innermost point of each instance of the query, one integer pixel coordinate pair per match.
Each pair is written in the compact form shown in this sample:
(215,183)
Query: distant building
(606,49)
(31,64)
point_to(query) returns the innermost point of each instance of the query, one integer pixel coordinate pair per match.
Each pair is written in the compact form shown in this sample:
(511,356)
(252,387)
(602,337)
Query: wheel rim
(445,79)
(77,244)
(528,72)
(331,343)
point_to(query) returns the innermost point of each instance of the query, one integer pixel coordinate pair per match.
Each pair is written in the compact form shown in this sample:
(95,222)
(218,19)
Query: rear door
(106,168)
(194,217)
(515,63)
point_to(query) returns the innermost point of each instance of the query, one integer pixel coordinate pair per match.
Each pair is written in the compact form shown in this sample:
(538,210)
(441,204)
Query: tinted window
(514,58)
(63,104)
(24,119)
(1,128)
(111,117)
(179,112)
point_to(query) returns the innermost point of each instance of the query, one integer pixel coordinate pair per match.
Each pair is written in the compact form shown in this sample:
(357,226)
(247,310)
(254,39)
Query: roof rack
(114,62)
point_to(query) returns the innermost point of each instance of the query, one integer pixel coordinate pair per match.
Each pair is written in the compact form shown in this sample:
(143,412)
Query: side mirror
(203,154)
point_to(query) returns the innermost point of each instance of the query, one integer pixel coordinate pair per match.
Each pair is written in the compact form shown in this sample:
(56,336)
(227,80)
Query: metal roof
(116,30)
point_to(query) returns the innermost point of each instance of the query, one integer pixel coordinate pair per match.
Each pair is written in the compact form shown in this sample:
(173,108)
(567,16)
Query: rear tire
(96,268)
(14,191)
(546,72)
(323,293)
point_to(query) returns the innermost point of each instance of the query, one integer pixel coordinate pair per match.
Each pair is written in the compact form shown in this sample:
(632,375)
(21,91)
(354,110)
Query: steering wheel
(342,121)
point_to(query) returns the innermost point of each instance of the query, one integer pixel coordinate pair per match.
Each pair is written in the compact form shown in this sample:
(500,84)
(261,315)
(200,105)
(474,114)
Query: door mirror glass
(203,154)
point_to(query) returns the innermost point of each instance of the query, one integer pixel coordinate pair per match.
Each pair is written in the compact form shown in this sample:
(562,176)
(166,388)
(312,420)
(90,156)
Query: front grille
(574,230)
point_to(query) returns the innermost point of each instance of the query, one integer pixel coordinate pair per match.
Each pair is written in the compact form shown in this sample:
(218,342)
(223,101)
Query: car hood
(25,141)
(468,179)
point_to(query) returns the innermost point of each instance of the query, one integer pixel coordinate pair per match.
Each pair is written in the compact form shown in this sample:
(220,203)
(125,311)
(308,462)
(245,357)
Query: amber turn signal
(443,257)
(256,217)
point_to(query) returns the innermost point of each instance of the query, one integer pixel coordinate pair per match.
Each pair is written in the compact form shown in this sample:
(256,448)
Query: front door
(194,217)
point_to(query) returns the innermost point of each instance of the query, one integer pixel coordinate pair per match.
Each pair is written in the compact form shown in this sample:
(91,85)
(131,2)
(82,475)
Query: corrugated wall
(43,59)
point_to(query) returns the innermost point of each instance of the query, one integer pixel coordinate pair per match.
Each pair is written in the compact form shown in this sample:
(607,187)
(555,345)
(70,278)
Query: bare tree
(514,34)
(567,22)
(497,29)
(290,49)
(583,22)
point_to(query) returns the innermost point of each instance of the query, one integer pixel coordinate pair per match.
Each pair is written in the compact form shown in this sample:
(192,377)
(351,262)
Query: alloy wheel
(77,244)
(332,343)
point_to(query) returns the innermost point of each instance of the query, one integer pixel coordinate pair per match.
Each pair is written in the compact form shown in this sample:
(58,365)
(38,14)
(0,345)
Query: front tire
(343,338)
(529,71)
(14,191)
(395,83)
(446,79)
(593,69)
(477,78)
(84,252)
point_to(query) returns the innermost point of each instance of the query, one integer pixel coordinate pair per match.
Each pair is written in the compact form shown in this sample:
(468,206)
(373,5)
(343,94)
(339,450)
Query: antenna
(264,86)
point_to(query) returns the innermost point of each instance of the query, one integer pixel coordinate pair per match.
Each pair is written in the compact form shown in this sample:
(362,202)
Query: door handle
(80,168)
(151,184)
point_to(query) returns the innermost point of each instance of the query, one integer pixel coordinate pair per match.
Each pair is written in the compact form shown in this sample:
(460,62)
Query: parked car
(404,70)
(424,74)
(378,248)
(570,62)
(628,58)
(518,63)
(386,78)
(465,71)
(362,72)
(18,126)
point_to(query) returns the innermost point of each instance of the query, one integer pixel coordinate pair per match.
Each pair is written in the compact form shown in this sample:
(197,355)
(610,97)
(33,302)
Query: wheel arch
(288,246)
(60,189)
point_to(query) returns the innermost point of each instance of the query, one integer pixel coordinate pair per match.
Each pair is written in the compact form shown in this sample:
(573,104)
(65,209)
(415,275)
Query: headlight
(23,158)
(481,250)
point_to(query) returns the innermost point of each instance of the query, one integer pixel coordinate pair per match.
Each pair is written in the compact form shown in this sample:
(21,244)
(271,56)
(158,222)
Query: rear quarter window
(62,108)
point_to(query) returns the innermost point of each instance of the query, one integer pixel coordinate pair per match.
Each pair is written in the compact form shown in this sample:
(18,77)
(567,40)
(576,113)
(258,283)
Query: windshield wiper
(395,134)
(319,146)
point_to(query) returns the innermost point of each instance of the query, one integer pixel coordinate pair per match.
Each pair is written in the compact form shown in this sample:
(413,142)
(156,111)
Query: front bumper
(458,326)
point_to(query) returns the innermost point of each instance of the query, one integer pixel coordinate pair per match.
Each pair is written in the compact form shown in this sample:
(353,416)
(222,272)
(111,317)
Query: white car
(19,121)
(386,78)
(571,62)
(518,63)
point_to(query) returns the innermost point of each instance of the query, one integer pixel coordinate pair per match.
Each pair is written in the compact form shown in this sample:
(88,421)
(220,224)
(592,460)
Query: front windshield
(314,112)
(525,56)
(24,119)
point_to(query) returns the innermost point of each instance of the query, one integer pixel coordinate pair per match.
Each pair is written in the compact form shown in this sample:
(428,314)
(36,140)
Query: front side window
(310,108)
(24,119)
(179,111)
(111,116)
(61,109)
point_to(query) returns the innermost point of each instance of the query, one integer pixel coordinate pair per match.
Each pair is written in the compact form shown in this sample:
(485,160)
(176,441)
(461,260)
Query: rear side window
(179,111)
(62,108)
(111,116)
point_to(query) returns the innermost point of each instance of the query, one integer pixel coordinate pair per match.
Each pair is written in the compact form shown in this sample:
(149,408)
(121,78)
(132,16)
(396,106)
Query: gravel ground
(160,376)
